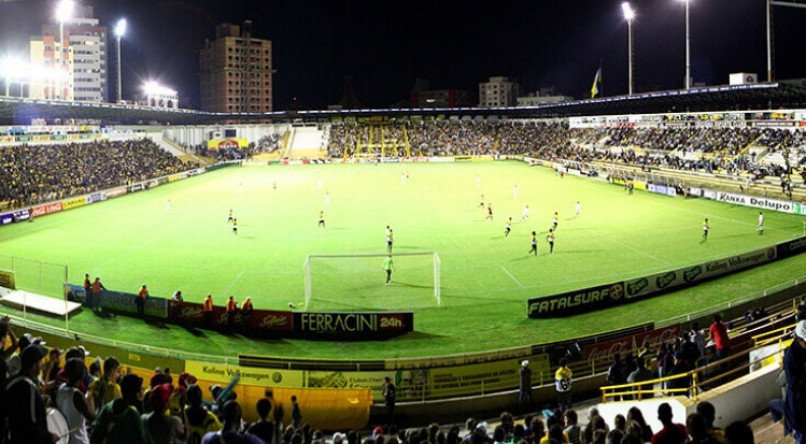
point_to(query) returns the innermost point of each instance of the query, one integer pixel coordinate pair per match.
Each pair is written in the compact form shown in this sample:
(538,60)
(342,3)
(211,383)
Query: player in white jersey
(525,213)
(760,227)
(578,208)
(515,191)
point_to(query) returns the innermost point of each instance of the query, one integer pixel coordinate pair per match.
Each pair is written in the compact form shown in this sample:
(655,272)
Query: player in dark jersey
(534,244)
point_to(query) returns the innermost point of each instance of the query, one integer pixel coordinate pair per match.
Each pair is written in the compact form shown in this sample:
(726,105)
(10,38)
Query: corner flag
(597,80)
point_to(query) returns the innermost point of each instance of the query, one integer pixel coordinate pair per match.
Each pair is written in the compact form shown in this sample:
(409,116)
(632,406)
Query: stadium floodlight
(13,68)
(153,88)
(64,12)
(688,45)
(120,30)
(629,15)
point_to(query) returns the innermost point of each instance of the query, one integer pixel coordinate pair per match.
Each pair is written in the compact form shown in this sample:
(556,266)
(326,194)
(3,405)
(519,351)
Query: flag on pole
(596,82)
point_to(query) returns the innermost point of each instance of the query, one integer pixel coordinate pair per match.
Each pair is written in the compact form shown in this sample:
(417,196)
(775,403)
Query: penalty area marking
(510,276)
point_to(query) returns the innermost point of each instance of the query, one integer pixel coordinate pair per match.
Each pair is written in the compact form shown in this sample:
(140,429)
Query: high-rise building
(498,91)
(85,78)
(236,71)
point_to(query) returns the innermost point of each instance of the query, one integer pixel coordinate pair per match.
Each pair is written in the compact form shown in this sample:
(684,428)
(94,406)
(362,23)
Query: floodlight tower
(64,12)
(629,15)
(688,46)
(120,30)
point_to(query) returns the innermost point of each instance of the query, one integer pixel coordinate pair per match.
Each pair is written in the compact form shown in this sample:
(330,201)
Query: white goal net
(358,281)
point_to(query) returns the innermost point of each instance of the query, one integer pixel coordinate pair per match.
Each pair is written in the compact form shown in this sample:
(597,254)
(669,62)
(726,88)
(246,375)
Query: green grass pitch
(486,277)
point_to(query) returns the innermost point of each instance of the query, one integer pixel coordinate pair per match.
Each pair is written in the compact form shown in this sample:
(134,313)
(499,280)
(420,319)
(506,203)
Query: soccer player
(481,202)
(327,198)
(760,228)
(390,237)
(489,211)
(168,206)
(478,181)
(578,208)
(388,266)
(705,229)
(554,221)
(550,239)
(515,191)
(321,219)
(534,244)
(230,217)
(525,213)
(234,226)
(508,227)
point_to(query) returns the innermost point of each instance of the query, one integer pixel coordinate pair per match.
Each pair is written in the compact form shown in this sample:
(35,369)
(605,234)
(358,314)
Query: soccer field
(177,237)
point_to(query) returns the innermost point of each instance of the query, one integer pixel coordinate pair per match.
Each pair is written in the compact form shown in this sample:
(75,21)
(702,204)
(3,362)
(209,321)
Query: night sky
(387,44)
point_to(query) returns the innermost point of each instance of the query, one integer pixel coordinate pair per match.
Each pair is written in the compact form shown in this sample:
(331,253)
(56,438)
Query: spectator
(246,312)
(738,433)
(671,433)
(614,436)
(697,430)
(161,427)
(230,432)
(615,373)
(72,403)
(718,332)
(563,384)
(572,429)
(680,367)
(389,393)
(106,389)
(119,420)
(198,420)
(525,385)
(263,428)
(708,413)
(296,414)
(634,415)
(26,421)
(795,369)
(641,374)
(6,334)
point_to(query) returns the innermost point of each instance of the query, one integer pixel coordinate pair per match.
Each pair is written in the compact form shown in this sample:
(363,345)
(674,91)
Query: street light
(64,12)
(629,15)
(120,29)
(688,48)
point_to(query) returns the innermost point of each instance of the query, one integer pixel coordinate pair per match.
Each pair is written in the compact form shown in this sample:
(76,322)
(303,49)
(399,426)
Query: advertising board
(765,203)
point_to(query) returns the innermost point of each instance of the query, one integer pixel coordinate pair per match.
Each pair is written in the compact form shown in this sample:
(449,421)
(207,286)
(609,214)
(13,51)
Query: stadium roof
(790,94)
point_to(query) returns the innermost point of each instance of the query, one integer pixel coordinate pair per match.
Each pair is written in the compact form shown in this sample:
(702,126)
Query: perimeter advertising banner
(765,203)
(352,325)
(118,302)
(609,295)
(623,345)
(436,382)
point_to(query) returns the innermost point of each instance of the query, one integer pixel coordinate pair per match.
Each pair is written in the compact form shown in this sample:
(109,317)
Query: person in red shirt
(718,332)
(141,300)
(207,309)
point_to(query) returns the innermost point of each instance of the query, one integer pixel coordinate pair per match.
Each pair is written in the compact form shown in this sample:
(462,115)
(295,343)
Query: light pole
(629,15)
(120,29)
(688,47)
(64,11)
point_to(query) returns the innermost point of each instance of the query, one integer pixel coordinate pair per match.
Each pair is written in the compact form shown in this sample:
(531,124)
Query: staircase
(307,142)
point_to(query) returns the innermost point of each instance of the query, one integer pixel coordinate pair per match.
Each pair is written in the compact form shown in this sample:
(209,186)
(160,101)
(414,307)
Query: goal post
(363,266)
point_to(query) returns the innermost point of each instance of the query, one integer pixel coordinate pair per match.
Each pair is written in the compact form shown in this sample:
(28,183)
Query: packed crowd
(31,174)
(678,148)
(50,396)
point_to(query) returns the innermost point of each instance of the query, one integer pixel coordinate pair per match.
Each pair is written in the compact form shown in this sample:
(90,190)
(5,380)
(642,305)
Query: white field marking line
(510,275)
(629,247)
(233,283)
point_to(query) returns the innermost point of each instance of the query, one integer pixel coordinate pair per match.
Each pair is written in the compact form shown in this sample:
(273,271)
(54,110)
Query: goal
(357,280)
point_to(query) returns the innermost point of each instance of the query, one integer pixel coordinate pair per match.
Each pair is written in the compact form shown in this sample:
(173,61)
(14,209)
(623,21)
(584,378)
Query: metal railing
(702,377)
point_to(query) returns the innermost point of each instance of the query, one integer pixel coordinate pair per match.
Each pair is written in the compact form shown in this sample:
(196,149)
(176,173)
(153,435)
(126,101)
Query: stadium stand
(33,174)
